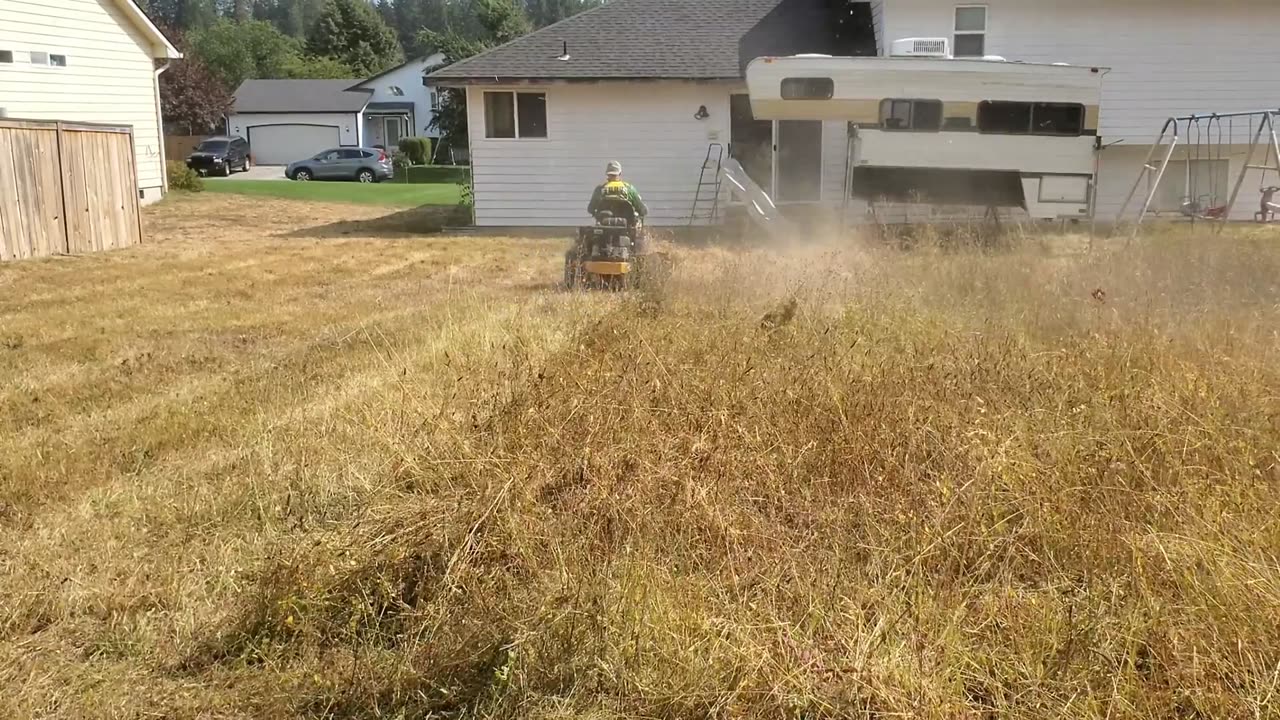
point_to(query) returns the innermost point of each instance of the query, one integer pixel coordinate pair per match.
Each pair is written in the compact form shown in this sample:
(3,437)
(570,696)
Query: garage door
(283,144)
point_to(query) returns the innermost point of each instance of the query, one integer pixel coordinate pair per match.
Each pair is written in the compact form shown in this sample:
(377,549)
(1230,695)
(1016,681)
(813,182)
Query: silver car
(349,163)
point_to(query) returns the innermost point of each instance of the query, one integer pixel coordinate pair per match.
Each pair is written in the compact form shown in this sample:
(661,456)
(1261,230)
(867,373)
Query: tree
(304,67)
(352,32)
(291,17)
(500,21)
(545,12)
(181,14)
(235,52)
(191,96)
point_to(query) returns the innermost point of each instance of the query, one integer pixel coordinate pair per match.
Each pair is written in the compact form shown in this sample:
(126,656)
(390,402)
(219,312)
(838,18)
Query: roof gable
(675,39)
(426,61)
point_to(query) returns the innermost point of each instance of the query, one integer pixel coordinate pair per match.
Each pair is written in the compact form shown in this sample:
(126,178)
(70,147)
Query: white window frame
(435,100)
(956,32)
(515,113)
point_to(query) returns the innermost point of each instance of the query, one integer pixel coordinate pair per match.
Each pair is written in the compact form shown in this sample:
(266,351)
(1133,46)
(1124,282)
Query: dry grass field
(288,461)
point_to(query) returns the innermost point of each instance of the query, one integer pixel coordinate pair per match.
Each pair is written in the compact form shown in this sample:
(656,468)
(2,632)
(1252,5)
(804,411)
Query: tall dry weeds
(959,482)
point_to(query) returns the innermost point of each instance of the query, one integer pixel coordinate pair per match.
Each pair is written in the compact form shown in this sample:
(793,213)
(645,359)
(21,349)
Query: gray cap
(613,168)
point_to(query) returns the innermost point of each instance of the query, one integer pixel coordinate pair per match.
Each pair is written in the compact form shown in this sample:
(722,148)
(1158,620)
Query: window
(58,60)
(922,115)
(1058,119)
(39,58)
(6,56)
(328,156)
(971,31)
(435,100)
(808,88)
(515,115)
(531,113)
(1008,118)
(350,154)
(396,90)
(212,146)
(1017,118)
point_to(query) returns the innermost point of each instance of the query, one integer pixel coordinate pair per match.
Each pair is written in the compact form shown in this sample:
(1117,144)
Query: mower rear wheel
(573,274)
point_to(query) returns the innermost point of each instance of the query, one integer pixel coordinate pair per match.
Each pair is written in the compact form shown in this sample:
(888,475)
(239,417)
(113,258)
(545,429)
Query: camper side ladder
(706,198)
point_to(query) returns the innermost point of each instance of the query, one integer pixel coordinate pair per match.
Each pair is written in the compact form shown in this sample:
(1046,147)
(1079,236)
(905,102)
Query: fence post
(62,183)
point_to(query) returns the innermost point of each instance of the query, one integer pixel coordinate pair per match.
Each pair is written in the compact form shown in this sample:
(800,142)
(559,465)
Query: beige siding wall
(108,78)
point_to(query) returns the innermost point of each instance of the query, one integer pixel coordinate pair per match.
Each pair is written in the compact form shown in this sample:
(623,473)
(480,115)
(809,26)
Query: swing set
(1208,139)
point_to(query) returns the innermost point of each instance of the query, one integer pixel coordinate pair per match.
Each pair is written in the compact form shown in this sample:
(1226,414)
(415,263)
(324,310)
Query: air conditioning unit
(921,47)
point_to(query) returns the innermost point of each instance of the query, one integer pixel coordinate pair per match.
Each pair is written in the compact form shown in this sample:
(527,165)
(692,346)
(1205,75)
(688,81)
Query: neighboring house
(95,61)
(654,83)
(288,120)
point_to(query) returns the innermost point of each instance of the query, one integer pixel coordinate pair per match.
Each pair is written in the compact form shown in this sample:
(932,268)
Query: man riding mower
(615,252)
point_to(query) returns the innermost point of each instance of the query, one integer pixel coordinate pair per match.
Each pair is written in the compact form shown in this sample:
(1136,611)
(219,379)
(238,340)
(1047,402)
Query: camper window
(1058,119)
(1005,118)
(808,88)
(1015,118)
(918,115)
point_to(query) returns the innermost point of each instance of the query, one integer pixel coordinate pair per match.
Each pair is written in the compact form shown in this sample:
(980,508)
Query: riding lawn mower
(615,254)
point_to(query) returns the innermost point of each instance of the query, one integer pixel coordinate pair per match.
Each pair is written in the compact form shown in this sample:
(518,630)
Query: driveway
(257,172)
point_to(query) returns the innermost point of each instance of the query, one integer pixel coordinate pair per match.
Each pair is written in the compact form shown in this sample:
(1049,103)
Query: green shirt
(619,189)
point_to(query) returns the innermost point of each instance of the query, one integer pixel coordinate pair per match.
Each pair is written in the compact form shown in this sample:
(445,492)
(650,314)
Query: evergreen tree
(500,21)
(236,52)
(351,32)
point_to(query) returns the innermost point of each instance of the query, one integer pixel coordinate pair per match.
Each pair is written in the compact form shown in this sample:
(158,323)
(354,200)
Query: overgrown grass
(401,478)
(390,194)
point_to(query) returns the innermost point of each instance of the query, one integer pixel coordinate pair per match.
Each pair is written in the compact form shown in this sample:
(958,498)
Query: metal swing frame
(1171,136)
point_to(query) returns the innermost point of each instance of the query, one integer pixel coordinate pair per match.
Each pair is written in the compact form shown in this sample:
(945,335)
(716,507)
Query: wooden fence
(178,147)
(66,188)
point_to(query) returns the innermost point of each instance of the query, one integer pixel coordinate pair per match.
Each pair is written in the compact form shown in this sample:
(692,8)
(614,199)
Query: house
(93,61)
(287,120)
(547,111)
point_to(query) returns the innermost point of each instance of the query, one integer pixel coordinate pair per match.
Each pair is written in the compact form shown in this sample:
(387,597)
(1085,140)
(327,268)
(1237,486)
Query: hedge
(417,148)
(425,174)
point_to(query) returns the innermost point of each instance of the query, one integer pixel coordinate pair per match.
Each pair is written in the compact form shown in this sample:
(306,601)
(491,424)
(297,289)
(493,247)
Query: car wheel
(302,174)
(245,167)
(365,176)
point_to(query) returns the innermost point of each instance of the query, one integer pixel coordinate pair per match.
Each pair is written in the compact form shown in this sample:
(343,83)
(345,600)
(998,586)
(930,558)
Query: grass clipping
(951,483)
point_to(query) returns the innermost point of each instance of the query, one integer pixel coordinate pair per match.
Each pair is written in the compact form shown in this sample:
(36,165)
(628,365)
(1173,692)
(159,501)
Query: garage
(283,144)
(289,120)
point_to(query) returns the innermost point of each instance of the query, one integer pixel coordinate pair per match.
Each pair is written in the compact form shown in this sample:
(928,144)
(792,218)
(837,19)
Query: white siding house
(87,61)
(649,127)
(401,104)
(634,100)
(1167,57)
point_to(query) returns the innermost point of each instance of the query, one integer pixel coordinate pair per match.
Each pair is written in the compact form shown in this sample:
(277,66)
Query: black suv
(220,155)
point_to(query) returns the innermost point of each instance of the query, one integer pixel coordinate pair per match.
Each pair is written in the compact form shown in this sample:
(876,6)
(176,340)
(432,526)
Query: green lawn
(388,193)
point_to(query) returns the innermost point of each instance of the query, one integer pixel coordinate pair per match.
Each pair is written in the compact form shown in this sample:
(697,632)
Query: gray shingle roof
(682,39)
(285,96)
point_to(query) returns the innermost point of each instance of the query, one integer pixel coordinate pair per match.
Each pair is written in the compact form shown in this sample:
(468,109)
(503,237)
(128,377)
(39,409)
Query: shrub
(417,148)
(182,177)
(400,164)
